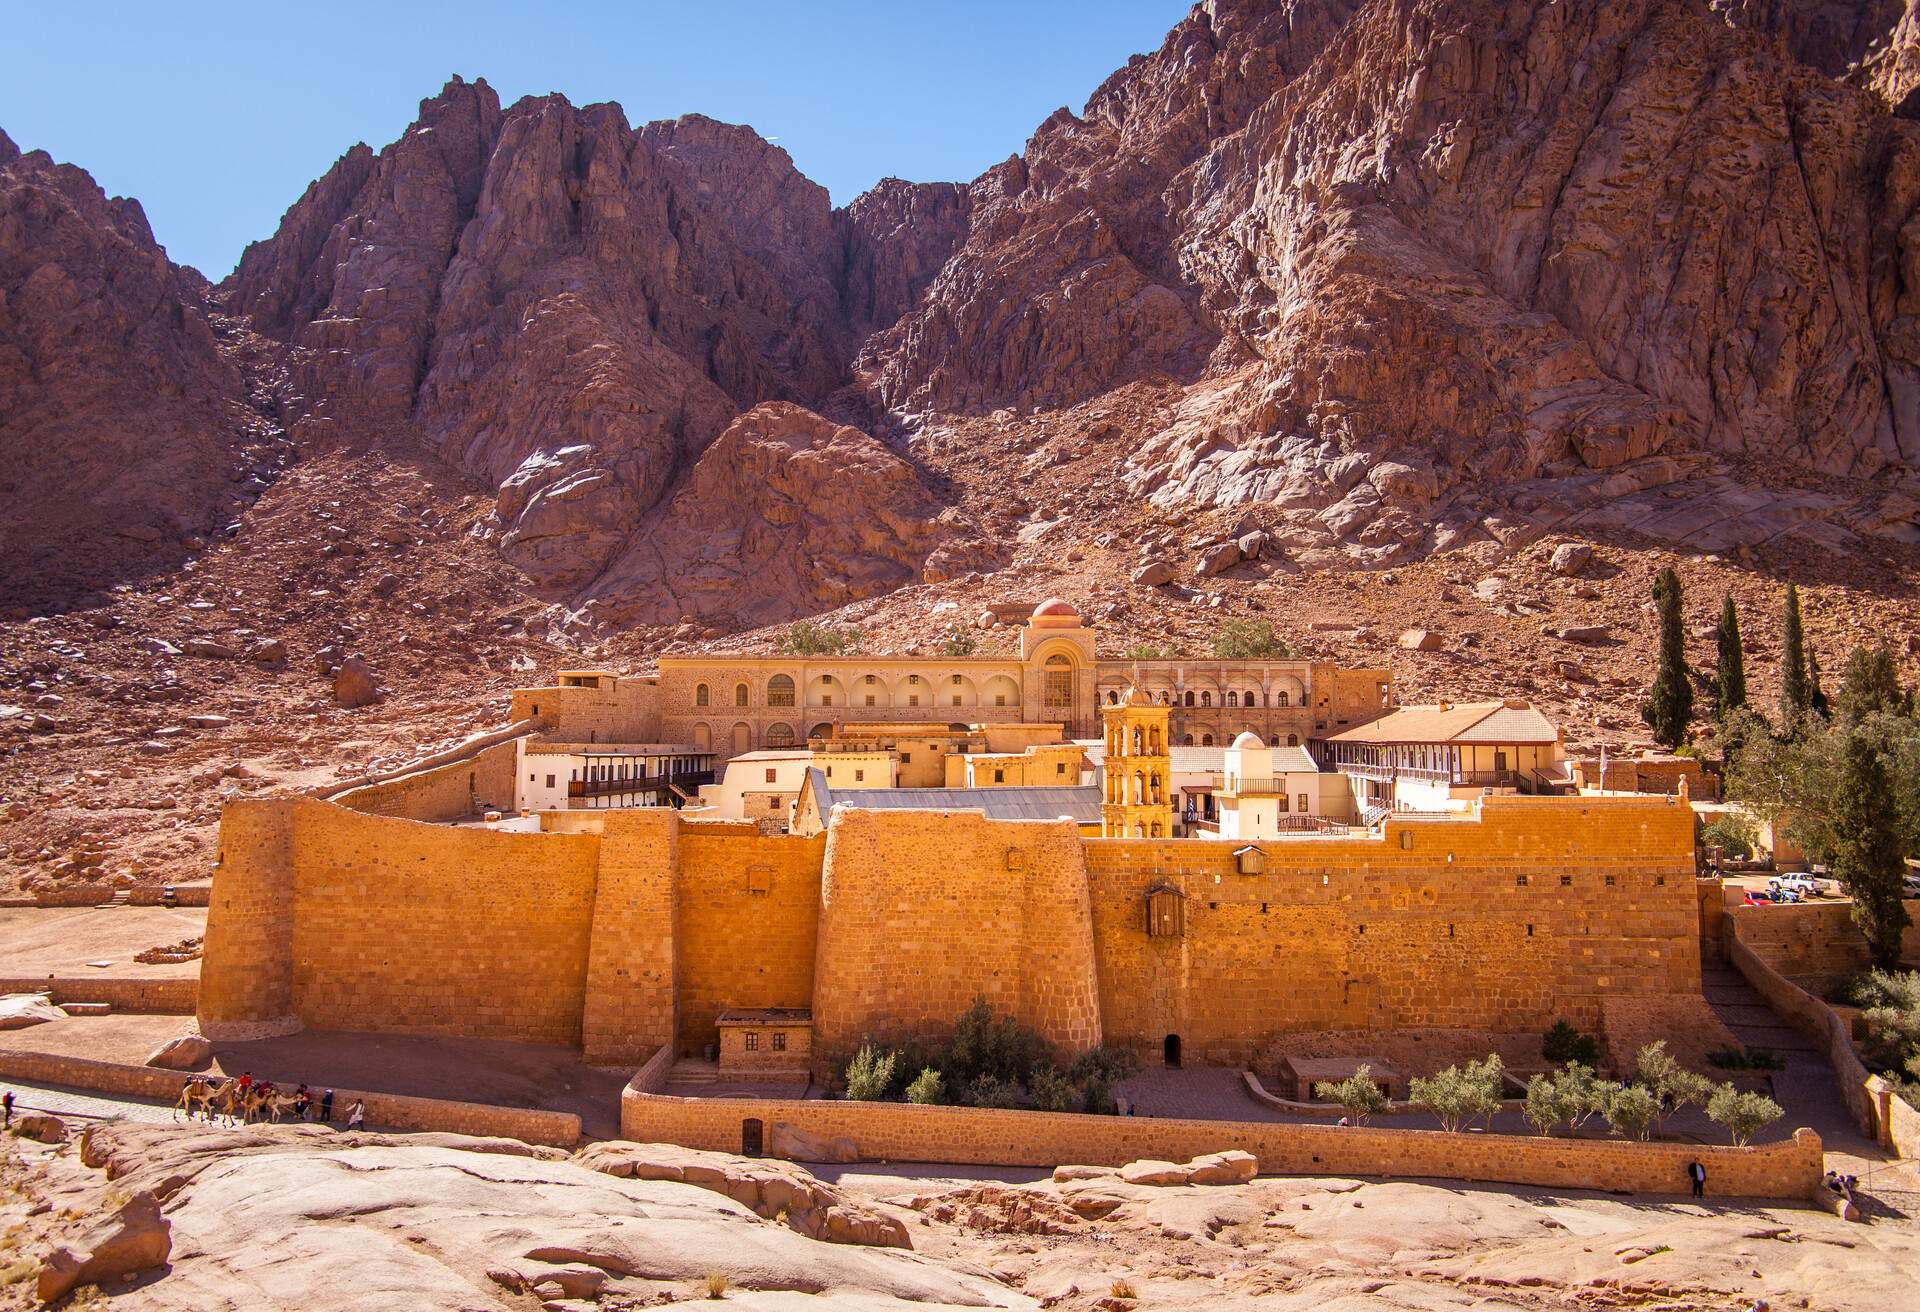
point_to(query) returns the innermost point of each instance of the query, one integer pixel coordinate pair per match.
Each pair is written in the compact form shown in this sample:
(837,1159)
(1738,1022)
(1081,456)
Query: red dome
(1056,606)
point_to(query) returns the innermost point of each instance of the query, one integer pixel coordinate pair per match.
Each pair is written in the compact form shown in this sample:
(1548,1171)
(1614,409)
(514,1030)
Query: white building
(594,776)
(763,785)
(1424,758)
(1264,791)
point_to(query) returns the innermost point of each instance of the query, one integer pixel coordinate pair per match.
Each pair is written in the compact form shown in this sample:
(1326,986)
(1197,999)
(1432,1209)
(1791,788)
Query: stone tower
(1138,802)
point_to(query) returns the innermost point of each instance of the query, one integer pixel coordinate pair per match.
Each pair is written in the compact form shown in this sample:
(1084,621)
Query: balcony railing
(1250,785)
(639,783)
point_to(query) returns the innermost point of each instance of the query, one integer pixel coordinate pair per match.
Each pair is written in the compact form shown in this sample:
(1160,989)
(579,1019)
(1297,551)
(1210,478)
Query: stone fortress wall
(635,932)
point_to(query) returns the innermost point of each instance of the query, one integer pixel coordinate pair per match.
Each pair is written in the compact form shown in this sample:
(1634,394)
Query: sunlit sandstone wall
(628,712)
(748,908)
(1426,926)
(346,921)
(921,911)
(447,792)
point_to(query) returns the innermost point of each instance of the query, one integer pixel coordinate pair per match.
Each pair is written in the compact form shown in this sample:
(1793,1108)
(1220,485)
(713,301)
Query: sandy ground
(66,940)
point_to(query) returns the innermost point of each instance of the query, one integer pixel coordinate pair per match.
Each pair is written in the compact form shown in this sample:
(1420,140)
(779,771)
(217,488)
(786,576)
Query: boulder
(1420,640)
(1217,559)
(270,652)
(1569,558)
(1149,1171)
(19,1010)
(1585,633)
(41,1126)
(135,1239)
(188,1052)
(208,649)
(1065,1174)
(1233,1166)
(353,683)
(798,1145)
(1153,573)
(1252,545)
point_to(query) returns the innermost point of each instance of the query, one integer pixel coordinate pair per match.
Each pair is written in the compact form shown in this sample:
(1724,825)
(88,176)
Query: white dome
(1248,739)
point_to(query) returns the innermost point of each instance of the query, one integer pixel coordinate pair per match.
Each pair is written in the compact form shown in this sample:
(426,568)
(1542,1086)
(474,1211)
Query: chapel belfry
(1138,801)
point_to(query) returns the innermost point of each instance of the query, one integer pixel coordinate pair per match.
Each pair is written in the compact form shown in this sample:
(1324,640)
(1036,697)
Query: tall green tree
(1868,845)
(1870,685)
(1816,695)
(1795,695)
(1669,702)
(1730,672)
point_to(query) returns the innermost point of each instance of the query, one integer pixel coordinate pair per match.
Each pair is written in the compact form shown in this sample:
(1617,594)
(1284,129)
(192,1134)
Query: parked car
(1804,885)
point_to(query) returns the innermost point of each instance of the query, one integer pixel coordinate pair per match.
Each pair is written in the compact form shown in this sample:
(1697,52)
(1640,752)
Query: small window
(1659,881)
(913,699)
(773,804)
(1566,881)
(779,1040)
(955,681)
(869,679)
(956,699)
(826,699)
(1519,881)
(702,695)
(869,699)
(1000,699)
(859,776)
(739,694)
(549,781)
(999,776)
(752,1041)
(1303,804)
(1059,767)
(770,775)
(906,758)
(1609,881)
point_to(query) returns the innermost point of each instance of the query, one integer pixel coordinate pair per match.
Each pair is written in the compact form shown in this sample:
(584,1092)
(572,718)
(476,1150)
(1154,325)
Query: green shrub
(959,642)
(1458,1094)
(1581,1096)
(988,1045)
(1732,834)
(1358,1095)
(1099,1099)
(1147,651)
(1110,1064)
(1564,1043)
(1672,1085)
(1051,1091)
(1890,1006)
(805,638)
(1743,1114)
(1630,1110)
(992,1091)
(869,1074)
(926,1088)
(1547,1104)
(1247,640)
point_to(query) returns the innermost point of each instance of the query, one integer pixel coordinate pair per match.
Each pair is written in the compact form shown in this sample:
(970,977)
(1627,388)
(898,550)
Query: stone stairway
(1746,1014)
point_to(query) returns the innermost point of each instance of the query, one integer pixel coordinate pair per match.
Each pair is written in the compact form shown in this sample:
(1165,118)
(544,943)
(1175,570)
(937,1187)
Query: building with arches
(729,704)
(1137,778)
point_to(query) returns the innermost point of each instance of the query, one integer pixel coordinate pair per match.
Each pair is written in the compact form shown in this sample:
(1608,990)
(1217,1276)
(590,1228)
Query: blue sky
(216,116)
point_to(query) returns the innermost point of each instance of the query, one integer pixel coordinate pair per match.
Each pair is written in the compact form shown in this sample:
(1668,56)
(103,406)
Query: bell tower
(1138,801)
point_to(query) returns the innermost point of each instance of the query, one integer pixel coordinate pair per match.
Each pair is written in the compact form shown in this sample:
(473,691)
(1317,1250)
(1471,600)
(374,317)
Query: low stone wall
(652,1077)
(1813,1018)
(172,996)
(976,1135)
(93,895)
(386,1110)
(1899,1121)
(442,787)
(1333,1111)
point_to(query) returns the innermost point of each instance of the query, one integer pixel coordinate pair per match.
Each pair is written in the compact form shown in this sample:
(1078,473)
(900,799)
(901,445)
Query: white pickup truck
(1804,885)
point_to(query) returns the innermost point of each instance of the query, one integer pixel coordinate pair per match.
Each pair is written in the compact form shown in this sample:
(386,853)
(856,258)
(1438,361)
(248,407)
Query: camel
(202,1094)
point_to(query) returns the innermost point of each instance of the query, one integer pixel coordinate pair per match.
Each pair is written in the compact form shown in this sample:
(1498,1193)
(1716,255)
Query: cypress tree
(1669,702)
(1794,695)
(1816,695)
(1870,685)
(1730,674)
(1867,846)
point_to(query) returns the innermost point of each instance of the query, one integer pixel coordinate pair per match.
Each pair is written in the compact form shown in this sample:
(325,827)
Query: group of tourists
(244,1099)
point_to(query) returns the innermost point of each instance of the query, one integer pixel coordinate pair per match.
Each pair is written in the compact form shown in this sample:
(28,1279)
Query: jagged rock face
(1412,251)
(785,514)
(119,421)
(1872,44)
(561,305)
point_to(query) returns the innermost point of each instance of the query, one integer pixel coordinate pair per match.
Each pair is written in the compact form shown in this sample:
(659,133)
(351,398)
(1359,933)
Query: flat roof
(617,749)
(1081,804)
(765,1016)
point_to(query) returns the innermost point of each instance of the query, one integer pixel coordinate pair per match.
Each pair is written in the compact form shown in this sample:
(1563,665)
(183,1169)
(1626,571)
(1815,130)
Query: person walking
(356,1115)
(326,1106)
(1698,1174)
(7,1102)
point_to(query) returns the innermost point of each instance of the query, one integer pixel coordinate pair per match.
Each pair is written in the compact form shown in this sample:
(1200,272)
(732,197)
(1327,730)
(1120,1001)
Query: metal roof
(1079,804)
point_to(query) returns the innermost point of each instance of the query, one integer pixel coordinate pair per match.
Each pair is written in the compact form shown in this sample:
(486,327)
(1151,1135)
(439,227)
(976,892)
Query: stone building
(1137,800)
(730,704)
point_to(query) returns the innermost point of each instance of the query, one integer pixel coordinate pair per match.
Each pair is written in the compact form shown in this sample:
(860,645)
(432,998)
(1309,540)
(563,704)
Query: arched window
(1206,699)
(779,691)
(702,695)
(1186,740)
(1056,682)
(821,730)
(1280,699)
(1206,740)
(1189,699)
(1113,698)
(1293,740)
(779,735)
(703,736)
(739,694)
(1233,698)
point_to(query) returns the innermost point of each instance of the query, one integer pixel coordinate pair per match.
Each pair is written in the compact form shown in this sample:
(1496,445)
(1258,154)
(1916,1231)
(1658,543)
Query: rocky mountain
(124,424)
(1382,278)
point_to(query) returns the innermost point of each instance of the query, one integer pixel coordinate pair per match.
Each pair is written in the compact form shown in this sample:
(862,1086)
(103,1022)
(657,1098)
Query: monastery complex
(634,865)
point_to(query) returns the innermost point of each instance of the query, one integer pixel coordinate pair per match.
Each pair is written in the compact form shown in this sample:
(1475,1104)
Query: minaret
(1138,802)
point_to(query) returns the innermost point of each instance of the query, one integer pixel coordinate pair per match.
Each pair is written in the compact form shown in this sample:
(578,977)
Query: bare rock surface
(189,1052)
(134,1239)
(431,1222)
(19,1010)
